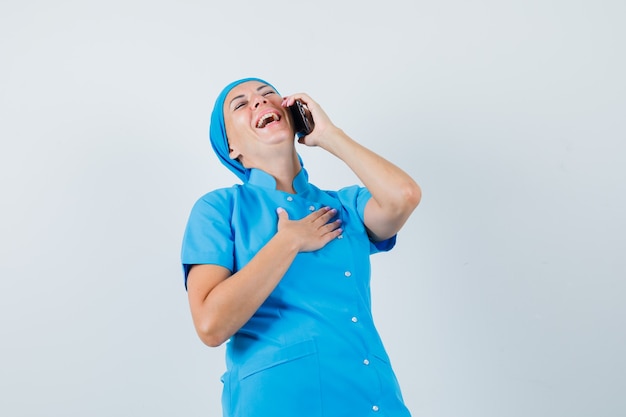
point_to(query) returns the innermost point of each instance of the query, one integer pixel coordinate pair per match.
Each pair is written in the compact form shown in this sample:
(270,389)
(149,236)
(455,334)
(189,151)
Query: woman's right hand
(312,232)
(221,302)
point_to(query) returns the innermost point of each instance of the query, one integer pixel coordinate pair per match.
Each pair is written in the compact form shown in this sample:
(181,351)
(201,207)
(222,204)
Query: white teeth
(267,118)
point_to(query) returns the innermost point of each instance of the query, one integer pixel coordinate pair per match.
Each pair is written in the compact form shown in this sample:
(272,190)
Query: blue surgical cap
(217,131)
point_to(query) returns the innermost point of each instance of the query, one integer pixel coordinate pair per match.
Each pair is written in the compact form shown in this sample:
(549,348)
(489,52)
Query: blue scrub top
(312,348)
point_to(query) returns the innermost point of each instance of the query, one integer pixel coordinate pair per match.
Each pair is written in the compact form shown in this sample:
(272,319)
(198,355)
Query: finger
(291,99)
(331,227)
(332,212)
(318,213)
(332,234)
(323,215)
(282,214)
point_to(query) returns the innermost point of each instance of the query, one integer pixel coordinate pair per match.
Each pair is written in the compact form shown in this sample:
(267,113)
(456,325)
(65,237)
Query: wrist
(286,243)
(332,139)
(337,142)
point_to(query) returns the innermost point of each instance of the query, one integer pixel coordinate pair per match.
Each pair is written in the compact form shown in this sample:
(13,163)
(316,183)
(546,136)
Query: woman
(281,268)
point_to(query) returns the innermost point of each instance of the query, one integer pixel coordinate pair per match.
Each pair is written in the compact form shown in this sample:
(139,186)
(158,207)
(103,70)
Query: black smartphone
(302,119)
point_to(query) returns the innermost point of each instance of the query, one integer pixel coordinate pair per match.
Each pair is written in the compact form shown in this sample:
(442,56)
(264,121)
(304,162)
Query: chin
(279,137)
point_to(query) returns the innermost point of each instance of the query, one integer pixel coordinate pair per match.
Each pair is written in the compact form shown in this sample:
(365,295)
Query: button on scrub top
(312,348)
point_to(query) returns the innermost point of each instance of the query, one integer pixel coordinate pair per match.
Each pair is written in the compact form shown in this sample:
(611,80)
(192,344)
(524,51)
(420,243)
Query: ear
(233,153)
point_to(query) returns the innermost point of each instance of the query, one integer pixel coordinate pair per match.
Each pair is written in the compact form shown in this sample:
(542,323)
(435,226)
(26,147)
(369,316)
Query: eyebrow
(242,95)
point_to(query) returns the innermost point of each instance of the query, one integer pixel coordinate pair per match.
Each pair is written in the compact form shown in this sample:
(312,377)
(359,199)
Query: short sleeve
(357,198)
(208,237)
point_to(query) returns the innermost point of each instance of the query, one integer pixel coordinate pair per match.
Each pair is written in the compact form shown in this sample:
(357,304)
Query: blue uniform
(312,348)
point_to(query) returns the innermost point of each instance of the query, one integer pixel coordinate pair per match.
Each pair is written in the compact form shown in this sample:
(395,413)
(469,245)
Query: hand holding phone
(303,121)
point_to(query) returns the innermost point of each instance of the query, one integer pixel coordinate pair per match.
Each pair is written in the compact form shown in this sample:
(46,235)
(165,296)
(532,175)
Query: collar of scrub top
(217,132)
(262,179)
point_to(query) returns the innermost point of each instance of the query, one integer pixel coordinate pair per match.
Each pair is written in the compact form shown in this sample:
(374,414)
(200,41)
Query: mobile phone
(303,121)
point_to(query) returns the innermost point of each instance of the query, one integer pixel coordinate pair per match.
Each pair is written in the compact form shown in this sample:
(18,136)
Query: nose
(258,100)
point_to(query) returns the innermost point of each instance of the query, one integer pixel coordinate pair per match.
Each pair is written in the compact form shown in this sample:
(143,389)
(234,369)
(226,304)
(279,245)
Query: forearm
(395,193)
(222,303)
(393,190)
(235,300)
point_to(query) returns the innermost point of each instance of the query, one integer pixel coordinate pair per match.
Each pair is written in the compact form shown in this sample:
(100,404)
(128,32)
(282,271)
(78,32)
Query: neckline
(261,178)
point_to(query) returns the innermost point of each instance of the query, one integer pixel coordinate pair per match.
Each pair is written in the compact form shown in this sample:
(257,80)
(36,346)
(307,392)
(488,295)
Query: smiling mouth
(266,119)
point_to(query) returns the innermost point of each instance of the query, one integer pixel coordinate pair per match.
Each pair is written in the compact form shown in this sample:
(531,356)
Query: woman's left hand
(394,193)
(323,128)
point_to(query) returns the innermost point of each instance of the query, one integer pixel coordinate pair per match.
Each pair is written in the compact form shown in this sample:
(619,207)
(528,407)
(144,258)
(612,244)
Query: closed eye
(266,90)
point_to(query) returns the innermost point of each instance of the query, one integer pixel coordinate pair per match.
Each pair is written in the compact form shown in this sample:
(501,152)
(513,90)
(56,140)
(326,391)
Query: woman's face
(256,123)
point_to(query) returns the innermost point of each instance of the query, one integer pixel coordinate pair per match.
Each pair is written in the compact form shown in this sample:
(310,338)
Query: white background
(505,294)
